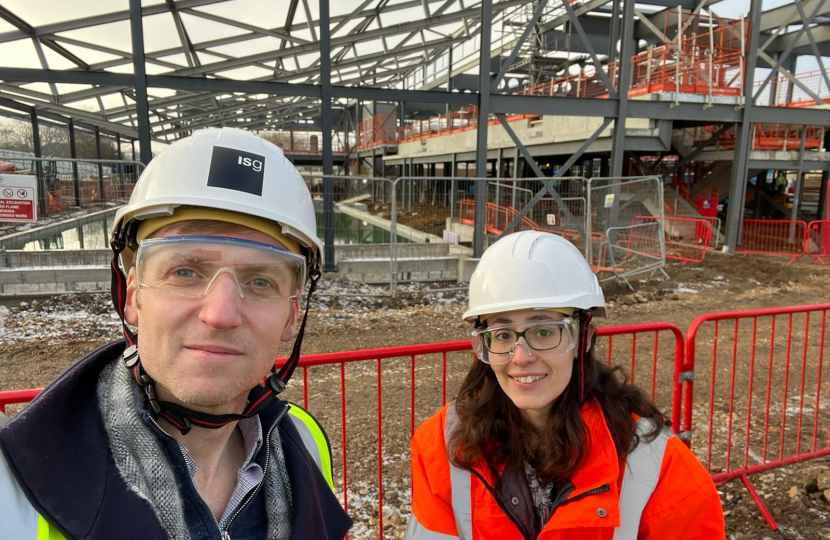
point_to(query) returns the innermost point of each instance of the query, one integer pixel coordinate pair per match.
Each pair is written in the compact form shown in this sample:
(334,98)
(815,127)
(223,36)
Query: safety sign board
(551,219)
(18,198)
(609,200)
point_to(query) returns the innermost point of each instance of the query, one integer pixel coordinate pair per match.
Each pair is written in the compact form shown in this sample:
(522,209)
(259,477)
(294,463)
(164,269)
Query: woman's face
(533,379)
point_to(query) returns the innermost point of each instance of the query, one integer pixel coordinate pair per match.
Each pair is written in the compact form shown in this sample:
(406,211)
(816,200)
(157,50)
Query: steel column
(453,186)
(119,169)
(142,108)
(743,136)
(73,153)
(100,165)
(41,180)
(799,177)
(482,127)
(627,37)
(328,158)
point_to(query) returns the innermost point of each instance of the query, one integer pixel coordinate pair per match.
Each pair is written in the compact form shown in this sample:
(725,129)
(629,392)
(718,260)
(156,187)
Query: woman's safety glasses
(496,345)
(189,266)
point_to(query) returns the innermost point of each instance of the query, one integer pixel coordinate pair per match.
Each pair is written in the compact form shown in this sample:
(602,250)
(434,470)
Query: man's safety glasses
(189,266)
(496,345)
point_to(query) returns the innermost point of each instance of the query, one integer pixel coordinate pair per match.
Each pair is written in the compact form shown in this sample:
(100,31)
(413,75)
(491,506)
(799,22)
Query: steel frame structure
(321,67)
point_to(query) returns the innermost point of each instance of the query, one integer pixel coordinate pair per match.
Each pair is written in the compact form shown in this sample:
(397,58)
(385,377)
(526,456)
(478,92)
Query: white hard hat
(533,270)
(225,169)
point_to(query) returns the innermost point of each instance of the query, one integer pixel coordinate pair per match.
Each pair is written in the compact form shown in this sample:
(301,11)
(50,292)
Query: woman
(543,441)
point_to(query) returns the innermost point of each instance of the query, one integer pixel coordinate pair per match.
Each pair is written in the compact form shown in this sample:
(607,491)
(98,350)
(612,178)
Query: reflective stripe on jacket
(22,522)
(666,493)
(47,468)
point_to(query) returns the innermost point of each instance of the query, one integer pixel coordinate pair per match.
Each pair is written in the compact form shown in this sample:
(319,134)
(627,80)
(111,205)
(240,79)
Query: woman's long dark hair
(491,427)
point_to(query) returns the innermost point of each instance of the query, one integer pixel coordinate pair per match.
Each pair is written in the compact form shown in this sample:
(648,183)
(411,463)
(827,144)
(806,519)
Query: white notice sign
(18,197)
(609,200)
(551,219)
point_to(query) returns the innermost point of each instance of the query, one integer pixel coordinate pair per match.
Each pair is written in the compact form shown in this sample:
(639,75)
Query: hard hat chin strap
(179,416)
(584,325)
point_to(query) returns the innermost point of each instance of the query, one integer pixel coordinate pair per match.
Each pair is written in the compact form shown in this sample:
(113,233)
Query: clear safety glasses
(495,345)
(189,266)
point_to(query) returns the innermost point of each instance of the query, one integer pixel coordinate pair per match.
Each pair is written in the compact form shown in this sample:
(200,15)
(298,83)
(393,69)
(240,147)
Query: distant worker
(779,185)
(543,441)
(176,435)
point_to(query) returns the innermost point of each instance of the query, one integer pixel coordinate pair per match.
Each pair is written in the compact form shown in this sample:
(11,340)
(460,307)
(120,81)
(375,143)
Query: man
(175,435)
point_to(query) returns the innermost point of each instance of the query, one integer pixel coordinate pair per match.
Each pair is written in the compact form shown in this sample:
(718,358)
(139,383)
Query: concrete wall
(551,130)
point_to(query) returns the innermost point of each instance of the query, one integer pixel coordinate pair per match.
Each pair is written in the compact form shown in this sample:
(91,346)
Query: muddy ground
(44,338)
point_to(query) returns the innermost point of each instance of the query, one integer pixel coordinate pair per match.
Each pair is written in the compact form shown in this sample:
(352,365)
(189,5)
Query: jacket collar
(61,460)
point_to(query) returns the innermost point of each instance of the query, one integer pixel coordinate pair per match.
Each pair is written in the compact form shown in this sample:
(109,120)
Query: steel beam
(627,37)
(328,164)
(482,128)
(585,41)
(73,153)
(805,24)
(743,138)
(41,183)
(100,165)
(547,185)
(512,58)
(140,81)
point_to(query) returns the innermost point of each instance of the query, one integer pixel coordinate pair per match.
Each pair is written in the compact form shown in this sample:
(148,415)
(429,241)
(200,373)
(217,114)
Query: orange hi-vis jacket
(664,493)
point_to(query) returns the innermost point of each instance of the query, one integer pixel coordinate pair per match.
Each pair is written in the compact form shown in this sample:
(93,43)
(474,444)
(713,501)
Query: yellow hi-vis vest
(21,521)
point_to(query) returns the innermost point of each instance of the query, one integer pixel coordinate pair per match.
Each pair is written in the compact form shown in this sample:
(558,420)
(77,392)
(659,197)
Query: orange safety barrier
(686,239)
(636,347)
(745,357)
(817,242)
(765,137)
(781,237)
(379,130)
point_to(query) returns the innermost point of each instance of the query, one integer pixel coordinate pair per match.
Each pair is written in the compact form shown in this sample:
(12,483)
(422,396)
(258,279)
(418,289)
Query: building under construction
(445,121)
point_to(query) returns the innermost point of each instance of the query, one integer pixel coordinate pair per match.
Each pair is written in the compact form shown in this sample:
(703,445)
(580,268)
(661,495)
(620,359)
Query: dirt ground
(44,338)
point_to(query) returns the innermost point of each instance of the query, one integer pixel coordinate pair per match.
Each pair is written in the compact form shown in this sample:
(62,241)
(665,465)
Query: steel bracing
(303,65)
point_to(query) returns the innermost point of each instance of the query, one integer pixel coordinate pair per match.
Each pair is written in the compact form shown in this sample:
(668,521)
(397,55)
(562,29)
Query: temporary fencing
(629,247)
(686,239)
(755,409)
(65,184)
(750,363)
(361,225)
(817,243)
(781,237)
(414,381)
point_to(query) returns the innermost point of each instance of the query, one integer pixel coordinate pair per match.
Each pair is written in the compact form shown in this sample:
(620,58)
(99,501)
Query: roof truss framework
(377,44)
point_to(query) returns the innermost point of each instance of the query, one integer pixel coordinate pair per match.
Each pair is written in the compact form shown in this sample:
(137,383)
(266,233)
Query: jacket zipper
(251,495)
(499,502)
(596,491)
(224,532)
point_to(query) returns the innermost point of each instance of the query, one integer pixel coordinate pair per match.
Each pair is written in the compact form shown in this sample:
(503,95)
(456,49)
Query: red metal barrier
(730,389)
(11,397)
(781,237)
(817,242)
(637,348)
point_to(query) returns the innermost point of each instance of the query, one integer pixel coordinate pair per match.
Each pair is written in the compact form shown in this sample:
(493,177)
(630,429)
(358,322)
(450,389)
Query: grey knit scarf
(144,467)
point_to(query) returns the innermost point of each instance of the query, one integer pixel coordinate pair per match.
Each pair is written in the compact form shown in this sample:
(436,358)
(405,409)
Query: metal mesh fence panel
(66,184)
(361,225)
(622,243)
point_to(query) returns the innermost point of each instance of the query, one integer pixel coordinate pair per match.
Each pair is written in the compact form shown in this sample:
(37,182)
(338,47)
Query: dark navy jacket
(58,451)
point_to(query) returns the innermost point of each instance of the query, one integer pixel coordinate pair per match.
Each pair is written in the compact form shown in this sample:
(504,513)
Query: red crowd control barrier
(11,397)
(751,362)
(651,353)
(817,243)
(781,237)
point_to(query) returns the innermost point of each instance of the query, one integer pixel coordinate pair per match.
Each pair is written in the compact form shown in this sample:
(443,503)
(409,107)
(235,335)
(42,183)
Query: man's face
(210,351)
